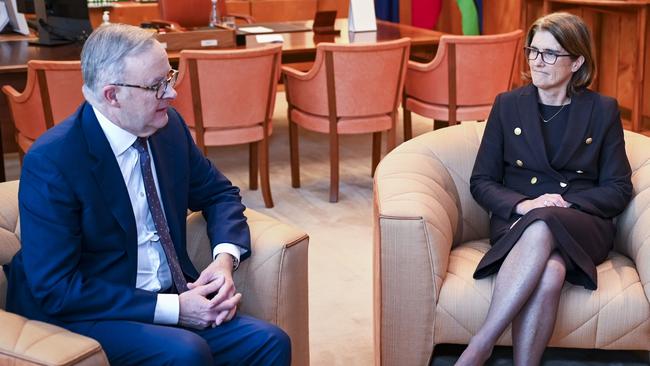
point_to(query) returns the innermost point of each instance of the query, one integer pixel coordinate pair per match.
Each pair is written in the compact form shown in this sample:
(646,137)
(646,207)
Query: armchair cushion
(586,319)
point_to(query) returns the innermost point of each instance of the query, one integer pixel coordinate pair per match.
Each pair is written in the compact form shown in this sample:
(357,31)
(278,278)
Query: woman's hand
(545,200)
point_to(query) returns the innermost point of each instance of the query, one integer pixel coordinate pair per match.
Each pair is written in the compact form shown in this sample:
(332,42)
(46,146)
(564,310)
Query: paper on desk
(269,38)
(255,29)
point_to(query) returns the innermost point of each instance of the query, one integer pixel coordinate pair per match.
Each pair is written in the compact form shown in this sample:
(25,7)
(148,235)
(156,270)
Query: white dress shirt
(153,270)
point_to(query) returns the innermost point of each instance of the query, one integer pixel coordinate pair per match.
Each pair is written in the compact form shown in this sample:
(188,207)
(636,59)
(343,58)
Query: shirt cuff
(229,248)
(167,309)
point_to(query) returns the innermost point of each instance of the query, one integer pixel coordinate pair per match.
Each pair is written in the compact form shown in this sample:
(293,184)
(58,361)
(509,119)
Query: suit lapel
(578,122)
(109,178)
(531,129)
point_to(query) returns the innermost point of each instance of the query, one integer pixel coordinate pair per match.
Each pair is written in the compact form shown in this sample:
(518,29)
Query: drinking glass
(229,22)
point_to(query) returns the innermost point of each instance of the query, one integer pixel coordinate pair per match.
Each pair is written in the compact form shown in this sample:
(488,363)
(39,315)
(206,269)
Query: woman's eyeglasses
(549,57)
(159,87)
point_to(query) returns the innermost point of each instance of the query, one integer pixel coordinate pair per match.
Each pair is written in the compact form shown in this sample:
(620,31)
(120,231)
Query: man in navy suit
(103,199)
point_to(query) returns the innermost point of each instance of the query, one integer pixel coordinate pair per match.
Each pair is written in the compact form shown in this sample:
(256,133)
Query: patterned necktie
(158,217)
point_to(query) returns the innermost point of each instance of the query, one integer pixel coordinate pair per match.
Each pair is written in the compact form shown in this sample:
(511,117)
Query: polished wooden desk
(297,47)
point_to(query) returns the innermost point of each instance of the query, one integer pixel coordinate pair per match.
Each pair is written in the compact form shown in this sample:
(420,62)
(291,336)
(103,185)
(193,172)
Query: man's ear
(109,94)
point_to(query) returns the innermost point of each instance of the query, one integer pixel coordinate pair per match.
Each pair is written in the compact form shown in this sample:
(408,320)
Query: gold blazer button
(579,171)
(533,180)
(563,185)
(588,140)
(519,163)
(517,131)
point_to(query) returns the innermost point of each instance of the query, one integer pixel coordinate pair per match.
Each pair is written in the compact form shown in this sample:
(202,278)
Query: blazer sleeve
(486,182)
(52,250)
(614,189)
(220,202)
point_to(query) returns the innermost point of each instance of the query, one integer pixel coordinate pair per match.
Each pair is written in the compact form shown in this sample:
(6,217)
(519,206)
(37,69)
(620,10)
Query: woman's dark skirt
(583,240)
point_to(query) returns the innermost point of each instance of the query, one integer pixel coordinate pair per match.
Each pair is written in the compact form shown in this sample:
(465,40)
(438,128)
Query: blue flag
(387,10)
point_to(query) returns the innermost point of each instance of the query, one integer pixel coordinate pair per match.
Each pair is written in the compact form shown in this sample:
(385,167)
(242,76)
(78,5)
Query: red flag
(425,13)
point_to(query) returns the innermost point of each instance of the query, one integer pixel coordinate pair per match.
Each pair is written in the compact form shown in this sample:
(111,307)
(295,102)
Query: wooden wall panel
(496,19)
(627,58)
(608,56)
(283,10)
(238,7)
(405,12)
(450,19)
(341,7)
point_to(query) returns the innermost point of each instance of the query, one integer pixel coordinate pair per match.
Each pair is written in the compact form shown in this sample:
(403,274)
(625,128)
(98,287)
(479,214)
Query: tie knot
(140,144)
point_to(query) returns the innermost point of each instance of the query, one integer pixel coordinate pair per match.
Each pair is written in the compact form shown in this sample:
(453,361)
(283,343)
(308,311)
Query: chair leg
(293,155)
(408,131)
(264,173)
(376,151)
(334,167)
(253,157)
(439,124)
(391,134)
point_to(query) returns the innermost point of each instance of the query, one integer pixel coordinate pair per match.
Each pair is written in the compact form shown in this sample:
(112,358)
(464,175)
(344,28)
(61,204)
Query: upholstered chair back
(358,72)
(53,92)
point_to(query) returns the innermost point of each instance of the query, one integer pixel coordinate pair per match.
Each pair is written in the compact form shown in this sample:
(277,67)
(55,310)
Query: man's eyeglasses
(159,87)
(548,57)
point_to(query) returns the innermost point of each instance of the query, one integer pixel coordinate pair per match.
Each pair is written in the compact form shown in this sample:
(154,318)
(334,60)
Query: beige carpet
(340,247)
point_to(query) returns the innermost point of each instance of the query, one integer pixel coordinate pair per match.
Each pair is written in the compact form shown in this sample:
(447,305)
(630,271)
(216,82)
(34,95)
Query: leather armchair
(273,283)
(430,234)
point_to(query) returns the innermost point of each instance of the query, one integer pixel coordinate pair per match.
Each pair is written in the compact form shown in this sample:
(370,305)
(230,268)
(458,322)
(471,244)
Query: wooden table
(297,47)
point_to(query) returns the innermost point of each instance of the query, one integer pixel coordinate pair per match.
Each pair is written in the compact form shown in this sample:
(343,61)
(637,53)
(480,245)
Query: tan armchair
(273,283)
(430,235)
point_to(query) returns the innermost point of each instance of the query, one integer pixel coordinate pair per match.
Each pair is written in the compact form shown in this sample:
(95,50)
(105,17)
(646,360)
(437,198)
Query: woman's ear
(577,63)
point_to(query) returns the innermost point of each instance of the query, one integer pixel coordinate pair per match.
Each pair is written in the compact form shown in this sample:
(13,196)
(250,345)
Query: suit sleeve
(614,189)
(52,242)
(486,182)
(213,194)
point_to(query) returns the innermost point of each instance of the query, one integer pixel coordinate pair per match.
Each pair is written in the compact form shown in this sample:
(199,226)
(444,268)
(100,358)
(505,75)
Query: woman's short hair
(572,34)
(102,57)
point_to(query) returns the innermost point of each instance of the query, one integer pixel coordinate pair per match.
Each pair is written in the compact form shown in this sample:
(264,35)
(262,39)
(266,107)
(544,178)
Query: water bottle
(214,15)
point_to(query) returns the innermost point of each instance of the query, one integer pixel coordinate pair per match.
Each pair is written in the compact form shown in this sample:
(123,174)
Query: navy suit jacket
(78,260)
(590,170)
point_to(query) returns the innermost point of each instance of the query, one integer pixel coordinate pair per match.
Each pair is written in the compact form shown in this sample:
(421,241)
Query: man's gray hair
(102,57)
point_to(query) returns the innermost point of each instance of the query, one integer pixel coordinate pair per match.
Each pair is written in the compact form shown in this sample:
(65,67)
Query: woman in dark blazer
(553,173)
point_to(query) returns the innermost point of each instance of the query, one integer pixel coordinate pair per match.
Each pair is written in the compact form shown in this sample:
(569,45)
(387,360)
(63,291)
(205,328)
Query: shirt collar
(119,139)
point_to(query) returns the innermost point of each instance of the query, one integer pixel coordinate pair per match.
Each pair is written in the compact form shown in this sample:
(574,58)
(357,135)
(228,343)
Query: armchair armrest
(416,219)
(273,281)
(633,231)
(24,341)
(10,91)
